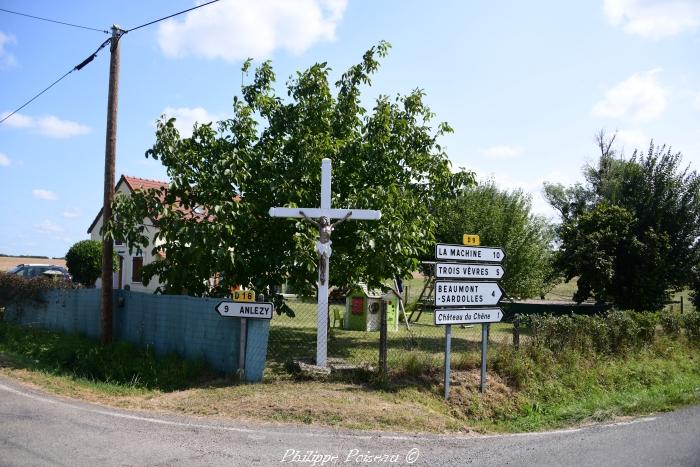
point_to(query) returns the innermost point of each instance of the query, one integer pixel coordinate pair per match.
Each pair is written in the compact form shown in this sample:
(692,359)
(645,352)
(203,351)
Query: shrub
(16,289)
(84,261)
(671,324)
(691,324)
(614,333)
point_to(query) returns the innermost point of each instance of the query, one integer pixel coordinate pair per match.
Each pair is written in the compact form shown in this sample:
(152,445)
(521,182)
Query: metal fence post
(516,331)
(383,367)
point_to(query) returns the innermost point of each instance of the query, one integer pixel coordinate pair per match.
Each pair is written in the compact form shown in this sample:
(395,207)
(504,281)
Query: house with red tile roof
(130,265)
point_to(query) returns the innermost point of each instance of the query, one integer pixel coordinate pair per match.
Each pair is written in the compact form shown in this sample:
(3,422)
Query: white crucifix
(323,247)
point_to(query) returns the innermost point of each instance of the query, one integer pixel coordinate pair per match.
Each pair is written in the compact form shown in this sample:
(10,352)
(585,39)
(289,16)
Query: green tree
(269,154)
(503,218)
(630,231)
(84,261)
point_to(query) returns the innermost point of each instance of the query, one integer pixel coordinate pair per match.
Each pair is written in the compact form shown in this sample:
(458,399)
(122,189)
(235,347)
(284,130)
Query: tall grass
(119,363)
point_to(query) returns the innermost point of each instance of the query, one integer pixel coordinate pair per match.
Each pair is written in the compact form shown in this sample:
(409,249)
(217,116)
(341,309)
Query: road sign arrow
(467,293)
(254,310)
(467,315)
(468,271)
(474,254)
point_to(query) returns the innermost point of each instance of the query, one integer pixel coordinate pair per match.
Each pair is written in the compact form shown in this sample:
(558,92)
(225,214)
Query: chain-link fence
(413,339)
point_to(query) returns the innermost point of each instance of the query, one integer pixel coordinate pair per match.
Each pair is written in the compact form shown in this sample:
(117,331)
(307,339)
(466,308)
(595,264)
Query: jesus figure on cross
(323,246)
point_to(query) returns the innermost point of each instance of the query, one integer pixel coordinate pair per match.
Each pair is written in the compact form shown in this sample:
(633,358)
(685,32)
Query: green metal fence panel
(188,326)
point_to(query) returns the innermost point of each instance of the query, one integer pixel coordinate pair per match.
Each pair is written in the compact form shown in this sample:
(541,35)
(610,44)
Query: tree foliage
(269,154)
(84,261)
(629,232)
(503,218)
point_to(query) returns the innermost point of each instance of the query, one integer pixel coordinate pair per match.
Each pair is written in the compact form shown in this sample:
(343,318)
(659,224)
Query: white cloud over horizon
(4,160)
(185,118)
(48,125)
(654,19)
(638,98)
(7,58)
(46,195)
(72,213)
(501,152)
(238,29)
(48,227)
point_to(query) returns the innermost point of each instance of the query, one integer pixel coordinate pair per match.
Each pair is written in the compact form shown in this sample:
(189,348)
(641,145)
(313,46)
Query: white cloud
(72,213)
(4,160)
(186,117)
(654,19)
(638,98)
(238,29)
(48,227)
(501,152)
(46,195)
(49,125)
(17,120)
(696,102)
(632,139)
(57,128)
(7,59)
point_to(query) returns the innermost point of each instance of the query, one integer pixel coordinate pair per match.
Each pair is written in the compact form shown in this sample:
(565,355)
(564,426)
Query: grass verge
(531,389)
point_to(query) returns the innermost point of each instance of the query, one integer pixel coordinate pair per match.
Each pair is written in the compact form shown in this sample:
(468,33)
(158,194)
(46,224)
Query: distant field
(8,262)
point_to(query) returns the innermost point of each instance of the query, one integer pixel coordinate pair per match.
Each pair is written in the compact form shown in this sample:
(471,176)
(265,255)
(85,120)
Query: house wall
(123,251)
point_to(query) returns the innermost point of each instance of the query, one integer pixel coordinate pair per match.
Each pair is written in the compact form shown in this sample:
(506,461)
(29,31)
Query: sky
(525,85)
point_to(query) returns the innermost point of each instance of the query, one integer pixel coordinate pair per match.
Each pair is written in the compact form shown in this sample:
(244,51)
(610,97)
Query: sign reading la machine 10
(476,297)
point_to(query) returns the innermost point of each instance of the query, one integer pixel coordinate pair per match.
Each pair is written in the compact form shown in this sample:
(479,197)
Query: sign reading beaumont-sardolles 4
(476,254)
(467,315)
(468,271)
(467,293)
(255,310)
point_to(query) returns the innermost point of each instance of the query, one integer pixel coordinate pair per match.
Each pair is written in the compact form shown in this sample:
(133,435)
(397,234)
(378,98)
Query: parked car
(38,270)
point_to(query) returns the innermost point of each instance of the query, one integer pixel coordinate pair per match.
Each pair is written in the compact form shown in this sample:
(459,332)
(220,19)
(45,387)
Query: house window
(136,266)
(118,242)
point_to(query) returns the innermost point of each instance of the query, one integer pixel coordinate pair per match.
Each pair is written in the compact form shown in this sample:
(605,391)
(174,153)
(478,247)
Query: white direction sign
(468,271)
(475,254)
(467,293)
(255,310)
(468,315)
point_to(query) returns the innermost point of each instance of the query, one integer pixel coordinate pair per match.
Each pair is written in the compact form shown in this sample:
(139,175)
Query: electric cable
(170,16)
(54,21)
(78,67)
(91,57)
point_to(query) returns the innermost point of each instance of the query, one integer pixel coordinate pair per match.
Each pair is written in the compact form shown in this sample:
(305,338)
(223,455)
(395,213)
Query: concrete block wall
(188,326)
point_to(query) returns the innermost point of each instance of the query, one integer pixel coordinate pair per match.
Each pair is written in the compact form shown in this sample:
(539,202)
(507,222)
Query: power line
(170,16)
(77,67)
(53,21)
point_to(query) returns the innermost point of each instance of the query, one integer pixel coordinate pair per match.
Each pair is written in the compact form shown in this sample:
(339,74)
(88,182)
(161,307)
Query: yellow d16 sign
(243,295)
(469,239)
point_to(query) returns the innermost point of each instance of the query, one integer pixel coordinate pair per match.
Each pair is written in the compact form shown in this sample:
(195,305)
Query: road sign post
(467,301)
(484,349)
(448,359)
(245,311)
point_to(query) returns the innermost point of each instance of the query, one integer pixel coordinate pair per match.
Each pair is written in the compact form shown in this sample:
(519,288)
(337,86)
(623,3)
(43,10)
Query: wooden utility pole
(110,156)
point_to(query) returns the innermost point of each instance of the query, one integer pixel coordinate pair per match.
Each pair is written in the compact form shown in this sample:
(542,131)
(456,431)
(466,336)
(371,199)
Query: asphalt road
(39,429)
